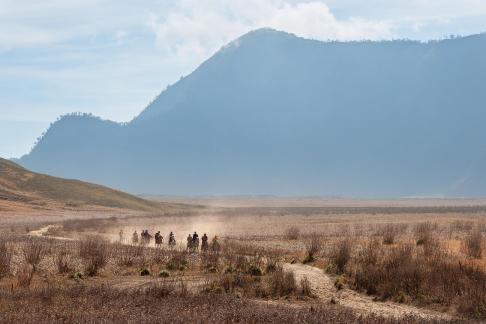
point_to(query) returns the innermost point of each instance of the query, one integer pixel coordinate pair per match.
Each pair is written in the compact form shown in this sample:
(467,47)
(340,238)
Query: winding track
(323,288)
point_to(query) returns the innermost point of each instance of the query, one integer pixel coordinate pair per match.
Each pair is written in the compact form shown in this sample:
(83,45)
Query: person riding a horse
(158,239)
(204,245)
(189,242)
(172,241)
(145,237)
(215,246)
(135,238)
(195,242)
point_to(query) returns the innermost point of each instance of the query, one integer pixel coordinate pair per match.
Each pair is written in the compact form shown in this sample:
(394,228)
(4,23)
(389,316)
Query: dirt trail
(43,232)
(322,286)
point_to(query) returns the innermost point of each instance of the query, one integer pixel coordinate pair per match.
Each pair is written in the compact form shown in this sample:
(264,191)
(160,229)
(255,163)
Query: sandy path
(322,286)
(42,232)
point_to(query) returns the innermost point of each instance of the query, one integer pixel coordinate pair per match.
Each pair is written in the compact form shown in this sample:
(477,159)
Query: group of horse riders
(192,240)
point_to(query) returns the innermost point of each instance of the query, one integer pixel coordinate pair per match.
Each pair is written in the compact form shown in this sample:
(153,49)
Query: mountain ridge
(273,113)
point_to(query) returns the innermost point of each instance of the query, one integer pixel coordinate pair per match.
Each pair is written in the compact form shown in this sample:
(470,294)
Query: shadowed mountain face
(273,113)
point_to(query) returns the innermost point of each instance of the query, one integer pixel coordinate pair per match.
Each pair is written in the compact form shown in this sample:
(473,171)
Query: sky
(111,57)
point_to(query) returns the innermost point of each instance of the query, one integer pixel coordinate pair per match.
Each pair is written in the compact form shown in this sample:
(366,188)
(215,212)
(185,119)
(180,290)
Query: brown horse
(159,240)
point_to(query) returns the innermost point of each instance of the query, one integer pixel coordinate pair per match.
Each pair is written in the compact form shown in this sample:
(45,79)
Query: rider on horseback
(204,245)
(215,244)
(158,239)
(189,242)
(172,241)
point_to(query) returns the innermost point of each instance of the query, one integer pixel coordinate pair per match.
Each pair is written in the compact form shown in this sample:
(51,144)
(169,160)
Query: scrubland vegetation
(430,268)
(416,266)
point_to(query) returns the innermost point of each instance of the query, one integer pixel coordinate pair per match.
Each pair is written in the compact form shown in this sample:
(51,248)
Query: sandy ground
(251,223)
(322,286)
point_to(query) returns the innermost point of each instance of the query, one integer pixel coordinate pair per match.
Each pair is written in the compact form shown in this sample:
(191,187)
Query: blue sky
(113,57)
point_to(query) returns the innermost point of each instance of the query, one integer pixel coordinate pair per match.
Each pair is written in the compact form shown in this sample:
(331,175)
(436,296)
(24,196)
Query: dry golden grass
(20,188)
(416,257)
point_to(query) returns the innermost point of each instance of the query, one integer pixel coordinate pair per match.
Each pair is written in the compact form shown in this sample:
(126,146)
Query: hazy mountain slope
(20,186)
(273,113)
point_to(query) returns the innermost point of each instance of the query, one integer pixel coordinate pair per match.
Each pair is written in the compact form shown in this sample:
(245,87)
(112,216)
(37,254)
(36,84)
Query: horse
(172,242)
(204,246)
(215,246)
(135,238)
(146,238)
(195,244)
(158,241)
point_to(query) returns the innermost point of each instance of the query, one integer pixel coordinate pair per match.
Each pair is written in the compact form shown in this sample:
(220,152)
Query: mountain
(274,113)
(20,188)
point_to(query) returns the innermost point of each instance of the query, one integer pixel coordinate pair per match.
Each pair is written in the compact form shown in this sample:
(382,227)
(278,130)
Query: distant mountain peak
(275,113)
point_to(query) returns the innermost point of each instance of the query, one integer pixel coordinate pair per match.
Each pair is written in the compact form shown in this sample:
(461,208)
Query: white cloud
(409,9)
(198,27)
(315,20)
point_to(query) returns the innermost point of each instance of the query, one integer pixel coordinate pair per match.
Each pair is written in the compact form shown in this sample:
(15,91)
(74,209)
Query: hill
(22,188)
(272,113)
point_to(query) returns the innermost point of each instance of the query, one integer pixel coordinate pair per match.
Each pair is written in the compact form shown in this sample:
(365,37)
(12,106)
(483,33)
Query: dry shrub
(159,256)
(33,252)
(389,232)
(62,260)
(240,263)
(94,251)
(340,255)
(278,283)
(461,226)
(245,259)
(292,233)
(271,265)
(282,283)
(233,282)
(5,259)
(129,255)
(305,287)
(481,227)
(432,248)
(473,244)
(408,273)
(473,301)
(312,245)
(210,261)
(386,275)
(24,276)
(183,290)
(423,232)
(232,247)
(177,260)
(370,252)
(161,289)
